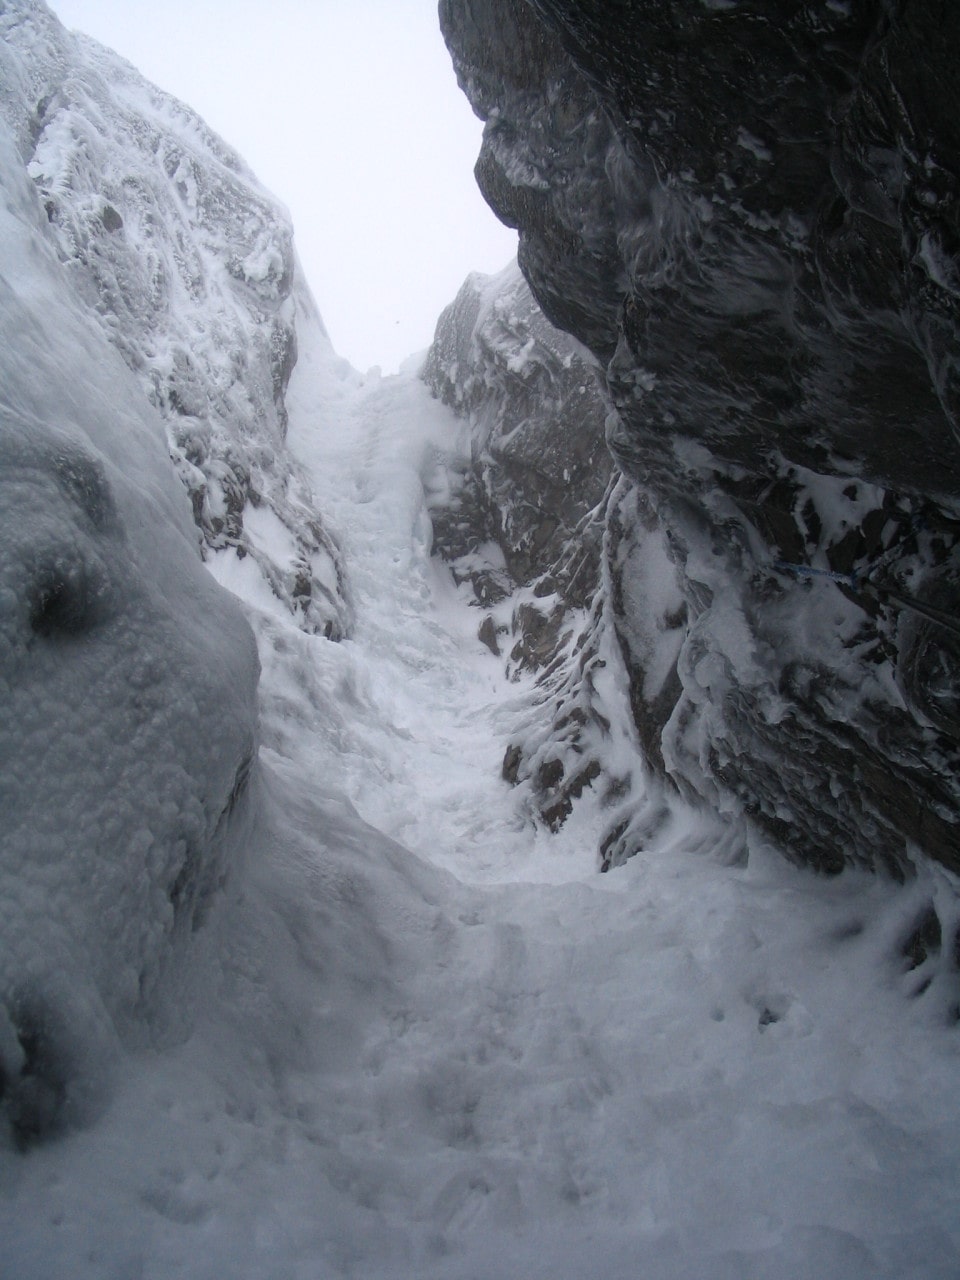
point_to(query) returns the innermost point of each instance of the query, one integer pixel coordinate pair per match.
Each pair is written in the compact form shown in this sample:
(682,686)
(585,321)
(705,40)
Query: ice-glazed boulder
(127,697)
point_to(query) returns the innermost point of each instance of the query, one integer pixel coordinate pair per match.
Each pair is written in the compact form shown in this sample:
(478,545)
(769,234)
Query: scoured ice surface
(434,1042)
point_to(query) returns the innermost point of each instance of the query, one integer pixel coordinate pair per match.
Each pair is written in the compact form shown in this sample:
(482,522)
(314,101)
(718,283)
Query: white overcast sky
(349,111)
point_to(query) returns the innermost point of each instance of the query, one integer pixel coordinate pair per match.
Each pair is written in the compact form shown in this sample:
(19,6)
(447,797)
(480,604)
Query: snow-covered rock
(189,268)
(552,542)
(150,303)
(531,395)
(128,690)
(526,525)
(753,227)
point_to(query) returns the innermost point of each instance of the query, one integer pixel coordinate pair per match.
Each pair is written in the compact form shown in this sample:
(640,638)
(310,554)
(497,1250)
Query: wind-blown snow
(435,1042)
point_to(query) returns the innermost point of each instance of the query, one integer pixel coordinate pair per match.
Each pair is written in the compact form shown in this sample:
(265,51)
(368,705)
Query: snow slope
(434,1043)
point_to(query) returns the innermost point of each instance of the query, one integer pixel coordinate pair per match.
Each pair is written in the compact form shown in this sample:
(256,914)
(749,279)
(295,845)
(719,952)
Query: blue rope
(808,571)
(856,583)
(853,580)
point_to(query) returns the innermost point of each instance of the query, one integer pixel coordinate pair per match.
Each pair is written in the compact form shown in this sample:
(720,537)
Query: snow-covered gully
(431,1041)
(335,1003)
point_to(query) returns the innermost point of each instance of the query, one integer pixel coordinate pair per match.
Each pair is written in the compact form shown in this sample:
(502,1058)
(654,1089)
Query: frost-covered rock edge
(188,265)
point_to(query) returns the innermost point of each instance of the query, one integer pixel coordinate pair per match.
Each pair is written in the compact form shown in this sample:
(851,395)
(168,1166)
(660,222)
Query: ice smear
(435,1043)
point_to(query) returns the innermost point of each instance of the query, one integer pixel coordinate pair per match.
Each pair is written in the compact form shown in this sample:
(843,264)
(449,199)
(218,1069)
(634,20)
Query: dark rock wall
(754,222)
(539,462)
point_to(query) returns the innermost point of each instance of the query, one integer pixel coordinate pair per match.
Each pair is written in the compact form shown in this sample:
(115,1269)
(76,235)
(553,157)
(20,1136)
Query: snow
(129,698)
(431,1041)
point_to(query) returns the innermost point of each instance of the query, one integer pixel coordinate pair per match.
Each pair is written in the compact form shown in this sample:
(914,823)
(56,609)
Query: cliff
(753,225)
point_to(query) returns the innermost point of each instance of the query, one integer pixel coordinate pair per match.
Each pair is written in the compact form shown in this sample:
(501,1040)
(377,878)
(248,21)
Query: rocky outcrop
(539,467)
(128,701)
(754,226)
(526,527)
(188,266)
(148,298)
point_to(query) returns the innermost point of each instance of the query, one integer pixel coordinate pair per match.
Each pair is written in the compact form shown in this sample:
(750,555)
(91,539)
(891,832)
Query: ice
(129,699)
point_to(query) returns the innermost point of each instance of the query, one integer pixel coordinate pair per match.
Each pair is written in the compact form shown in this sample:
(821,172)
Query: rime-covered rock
(526,526)
(536,413)
(188,265)
(149,299)
(128,699)
(527,514)
(753,223)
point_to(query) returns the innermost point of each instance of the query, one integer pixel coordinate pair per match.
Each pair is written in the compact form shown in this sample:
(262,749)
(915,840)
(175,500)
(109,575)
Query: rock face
(526,528)
(754,226)
(148,297)
(188,266)
(539,465)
